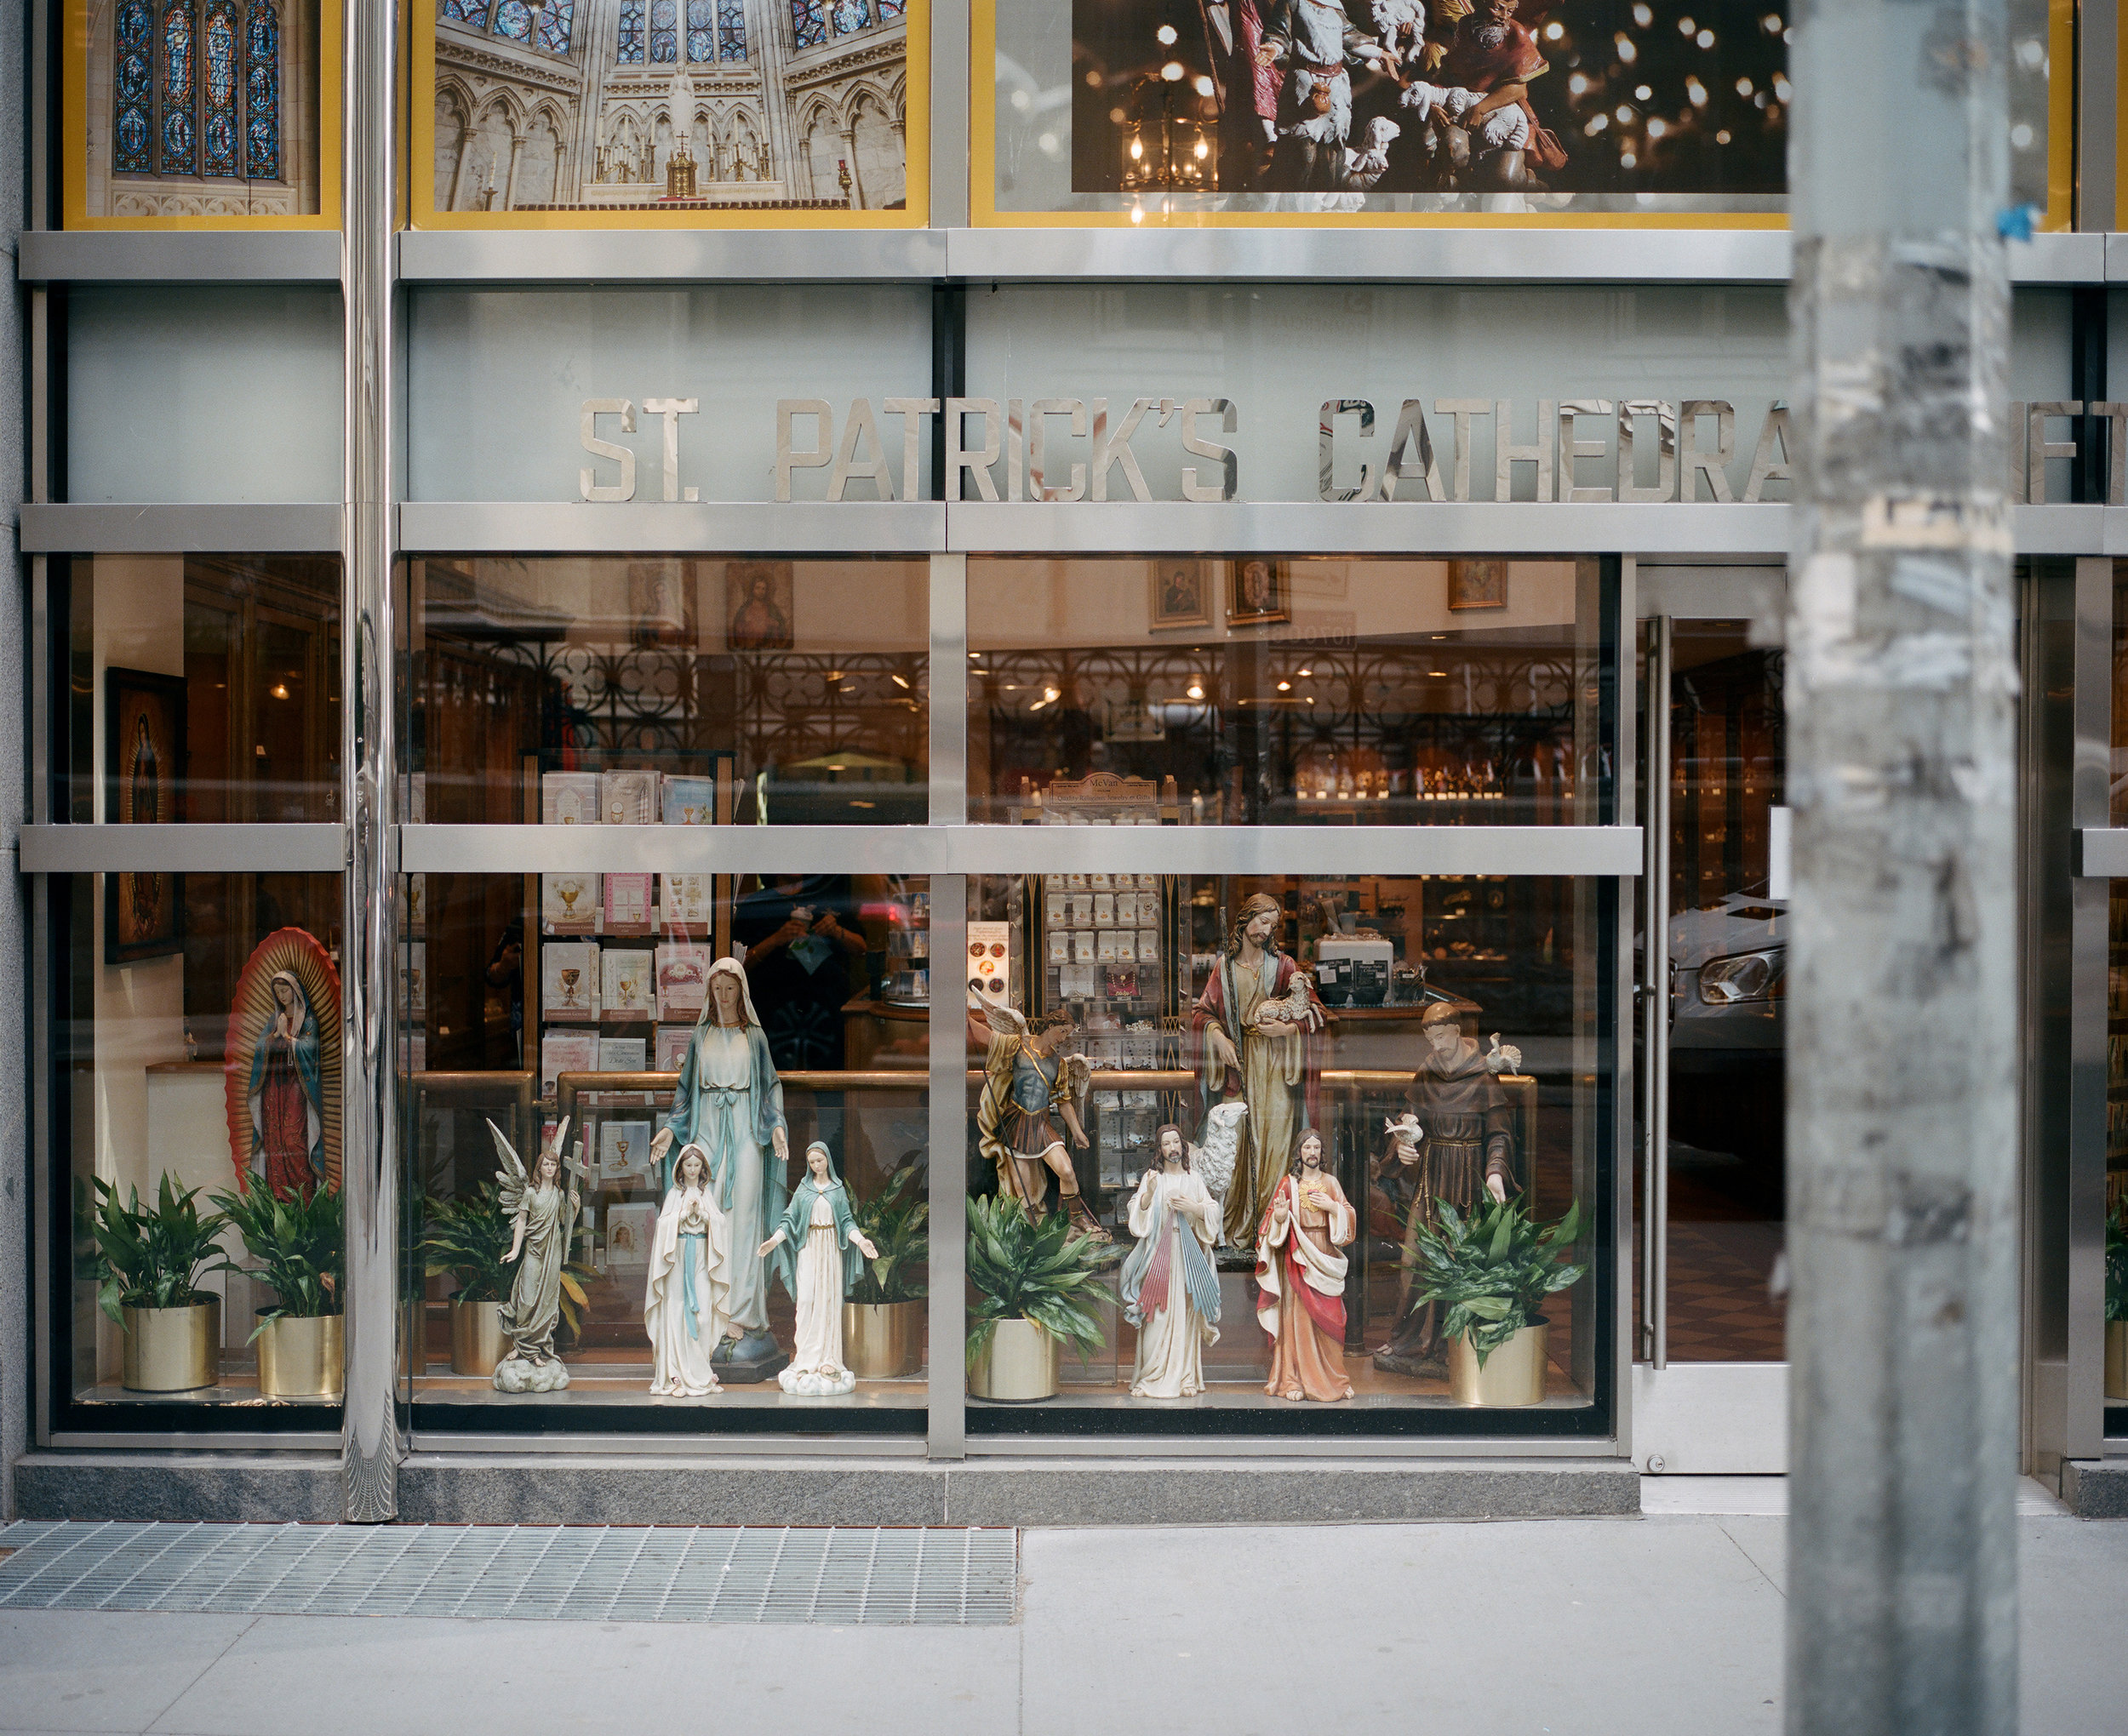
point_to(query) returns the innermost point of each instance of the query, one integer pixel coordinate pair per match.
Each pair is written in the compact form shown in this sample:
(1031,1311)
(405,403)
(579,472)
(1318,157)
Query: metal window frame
(951,253)
(950,249)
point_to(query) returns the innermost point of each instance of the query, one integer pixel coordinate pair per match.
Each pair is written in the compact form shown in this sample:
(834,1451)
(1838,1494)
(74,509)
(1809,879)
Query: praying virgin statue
(286,1096)
(730,1109)
(683,1303)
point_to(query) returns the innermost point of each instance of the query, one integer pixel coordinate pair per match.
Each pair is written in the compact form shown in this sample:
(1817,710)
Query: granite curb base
(676,1490)
(2095,1489)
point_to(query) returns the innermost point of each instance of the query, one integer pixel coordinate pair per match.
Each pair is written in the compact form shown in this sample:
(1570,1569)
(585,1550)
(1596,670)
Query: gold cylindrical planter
(1513,1374)
(882,1340)
(1020,1365)
(476,1340)
(173,1350)
(299,1356)
(2117,1359)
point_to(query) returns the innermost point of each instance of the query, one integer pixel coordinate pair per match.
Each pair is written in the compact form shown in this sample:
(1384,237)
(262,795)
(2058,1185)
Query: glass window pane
(525,1007)
(199,1045)
(1399,1050)
(1338,692)
(686,690)
(212,688)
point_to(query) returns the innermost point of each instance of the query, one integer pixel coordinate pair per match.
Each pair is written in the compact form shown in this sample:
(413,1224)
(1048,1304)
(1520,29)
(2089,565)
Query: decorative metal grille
(919,1577)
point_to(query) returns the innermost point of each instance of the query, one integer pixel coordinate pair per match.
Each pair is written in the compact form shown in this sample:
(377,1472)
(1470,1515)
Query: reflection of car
(1728,973)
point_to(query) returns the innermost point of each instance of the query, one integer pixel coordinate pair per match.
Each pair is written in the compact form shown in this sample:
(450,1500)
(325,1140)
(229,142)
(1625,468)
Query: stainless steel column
(371,1441)
(946,1434)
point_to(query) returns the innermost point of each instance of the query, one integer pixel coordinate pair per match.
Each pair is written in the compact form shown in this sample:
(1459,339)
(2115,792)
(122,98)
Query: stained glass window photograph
(194,112)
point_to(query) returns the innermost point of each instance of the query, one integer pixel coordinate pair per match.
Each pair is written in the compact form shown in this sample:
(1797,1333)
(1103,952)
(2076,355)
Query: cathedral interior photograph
(599,107)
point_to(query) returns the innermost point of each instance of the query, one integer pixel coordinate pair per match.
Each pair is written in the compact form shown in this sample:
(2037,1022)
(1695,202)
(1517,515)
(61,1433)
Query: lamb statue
(1300,995)
(1366,165)
(1214,1160)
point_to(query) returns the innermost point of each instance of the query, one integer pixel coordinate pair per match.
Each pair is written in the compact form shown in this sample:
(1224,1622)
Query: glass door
(1711,1375)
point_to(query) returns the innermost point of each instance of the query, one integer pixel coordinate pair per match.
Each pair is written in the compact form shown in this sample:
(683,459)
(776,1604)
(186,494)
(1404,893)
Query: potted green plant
(148,1263)
(883,1316)
(2117,1301)
(467,1240)
(1034,1279)
(1491,1273)
(300,1242)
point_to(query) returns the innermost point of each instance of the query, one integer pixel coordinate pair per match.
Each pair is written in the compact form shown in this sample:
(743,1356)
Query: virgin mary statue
(286,1096)
(730,1108)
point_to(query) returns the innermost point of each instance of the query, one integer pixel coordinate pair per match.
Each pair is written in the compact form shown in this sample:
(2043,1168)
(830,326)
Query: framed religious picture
(758,595)
(656,114)
(1258,591)
(144,756)
(200,114)
(1477,585)
(1182,593)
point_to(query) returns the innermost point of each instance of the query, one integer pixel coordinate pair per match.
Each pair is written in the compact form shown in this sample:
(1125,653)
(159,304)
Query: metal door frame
(1688,1418)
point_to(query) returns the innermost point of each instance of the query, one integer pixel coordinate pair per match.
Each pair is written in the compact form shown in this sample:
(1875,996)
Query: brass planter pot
(476,1340)
(1019,1367)
(2117,1359)
(300,1357)
(173,1350)
(882,1340)
(1513,1374)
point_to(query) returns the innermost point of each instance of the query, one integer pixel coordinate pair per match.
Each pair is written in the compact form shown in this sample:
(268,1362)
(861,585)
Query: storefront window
(604,1028)
(205,688)
(198,1020)
(680,690)
(1305,691)
(1161,1061)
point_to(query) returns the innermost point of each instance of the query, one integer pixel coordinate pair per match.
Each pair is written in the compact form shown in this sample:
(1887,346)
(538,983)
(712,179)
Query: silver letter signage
(625,456)
(673,409)
(822,451)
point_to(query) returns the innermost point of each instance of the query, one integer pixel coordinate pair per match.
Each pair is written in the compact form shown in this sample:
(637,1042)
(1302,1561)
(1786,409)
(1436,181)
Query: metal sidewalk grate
(941,1578)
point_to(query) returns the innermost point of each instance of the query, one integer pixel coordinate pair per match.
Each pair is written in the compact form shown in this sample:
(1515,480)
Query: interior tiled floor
(1725,1236)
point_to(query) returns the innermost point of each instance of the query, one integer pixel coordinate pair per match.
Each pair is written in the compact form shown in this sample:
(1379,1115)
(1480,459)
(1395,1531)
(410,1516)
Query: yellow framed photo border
(917,136)
(74,137)
(982,168)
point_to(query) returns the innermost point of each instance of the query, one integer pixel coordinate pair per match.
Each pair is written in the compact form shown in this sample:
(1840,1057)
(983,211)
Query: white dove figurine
(1499,1059)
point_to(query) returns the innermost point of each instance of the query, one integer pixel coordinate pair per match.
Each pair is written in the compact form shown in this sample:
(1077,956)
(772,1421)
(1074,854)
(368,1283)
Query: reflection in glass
(1253,1101)
(231,661)
(618,1032)
(1728,967)
(205,1061)
(684,690)
(1263,691)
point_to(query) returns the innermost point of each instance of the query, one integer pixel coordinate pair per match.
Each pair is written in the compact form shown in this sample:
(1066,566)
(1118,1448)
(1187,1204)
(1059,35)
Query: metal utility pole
(1903,1034)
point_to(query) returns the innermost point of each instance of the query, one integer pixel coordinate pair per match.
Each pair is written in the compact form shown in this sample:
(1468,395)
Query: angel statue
(830,1254)
(1024,1080)
(545,1221)
(729,1107)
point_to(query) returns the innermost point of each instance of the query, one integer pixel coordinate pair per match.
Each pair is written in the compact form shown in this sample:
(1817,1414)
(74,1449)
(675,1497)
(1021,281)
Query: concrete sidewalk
(1667,1623)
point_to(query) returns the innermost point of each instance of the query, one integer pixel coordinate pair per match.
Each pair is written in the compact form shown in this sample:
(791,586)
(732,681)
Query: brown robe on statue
(1469,1136)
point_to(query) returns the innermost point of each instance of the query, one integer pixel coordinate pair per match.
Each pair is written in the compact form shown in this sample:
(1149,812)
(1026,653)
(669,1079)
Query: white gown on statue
(724,1059)
(1170,1360)
(816,1367)
(691,1251)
